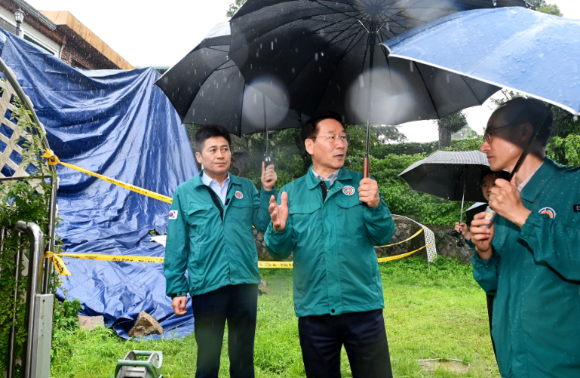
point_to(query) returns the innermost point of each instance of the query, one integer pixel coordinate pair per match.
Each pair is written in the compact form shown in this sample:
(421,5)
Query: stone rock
(91,322)
(447,245)
(145,325)
(263,287)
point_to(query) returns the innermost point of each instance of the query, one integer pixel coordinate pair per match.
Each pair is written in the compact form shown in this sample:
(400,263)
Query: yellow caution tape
(58,264)
(401,242)
(63,271)
(275,264)
(397,257)
(53,160)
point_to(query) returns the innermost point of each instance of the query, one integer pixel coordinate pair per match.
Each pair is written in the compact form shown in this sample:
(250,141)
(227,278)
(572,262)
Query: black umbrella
(206,87)
(325,55)
(455,176)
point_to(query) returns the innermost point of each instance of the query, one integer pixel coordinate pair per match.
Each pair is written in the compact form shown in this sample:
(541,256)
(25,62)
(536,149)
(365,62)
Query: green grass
(429,314)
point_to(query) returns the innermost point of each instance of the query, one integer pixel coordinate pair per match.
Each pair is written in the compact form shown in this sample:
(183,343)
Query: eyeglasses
(488,133)
(332,138)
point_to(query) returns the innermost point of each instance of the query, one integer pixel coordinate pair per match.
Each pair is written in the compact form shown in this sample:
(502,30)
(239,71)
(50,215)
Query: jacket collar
(196,180)
(539,180)
(312,182)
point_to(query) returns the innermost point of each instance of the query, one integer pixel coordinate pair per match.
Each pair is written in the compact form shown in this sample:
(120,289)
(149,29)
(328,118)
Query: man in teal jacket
(332,218)
(209,235)
(530,258)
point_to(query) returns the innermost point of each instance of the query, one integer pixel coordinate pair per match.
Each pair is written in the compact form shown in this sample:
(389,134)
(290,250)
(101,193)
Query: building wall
(36,36)
(76,58)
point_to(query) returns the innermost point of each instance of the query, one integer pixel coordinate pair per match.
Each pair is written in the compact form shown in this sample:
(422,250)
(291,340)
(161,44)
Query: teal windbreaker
(214,252)
(534,273)
(335,263)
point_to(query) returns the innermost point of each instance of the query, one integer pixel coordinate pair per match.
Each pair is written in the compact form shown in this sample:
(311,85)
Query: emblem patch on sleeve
(548,211)
(173,214)
(239,195)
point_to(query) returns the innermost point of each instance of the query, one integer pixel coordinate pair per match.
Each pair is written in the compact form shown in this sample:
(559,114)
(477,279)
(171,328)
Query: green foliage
(233,7)
(565,151)
(65,315)
(453,122)
(428,314)
(21,201)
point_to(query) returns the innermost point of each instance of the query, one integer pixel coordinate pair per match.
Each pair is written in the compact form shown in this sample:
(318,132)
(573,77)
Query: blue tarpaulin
(118,124)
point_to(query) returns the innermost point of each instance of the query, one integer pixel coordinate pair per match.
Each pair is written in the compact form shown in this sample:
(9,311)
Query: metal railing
(38,319)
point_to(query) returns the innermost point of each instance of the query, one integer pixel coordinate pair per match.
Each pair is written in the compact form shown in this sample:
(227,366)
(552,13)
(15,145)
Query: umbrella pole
(529,145)
(462,201)
(267,158)
(366,163)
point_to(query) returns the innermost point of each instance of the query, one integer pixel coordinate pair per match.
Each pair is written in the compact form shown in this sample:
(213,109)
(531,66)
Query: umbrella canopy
(455,176)
(206,87)
(325,55)
(476,208)
(530,52)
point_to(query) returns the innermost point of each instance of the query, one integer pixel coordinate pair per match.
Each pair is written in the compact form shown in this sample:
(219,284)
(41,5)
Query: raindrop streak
(447,78)
(293,70)
(411,66)
(272,44)
(361,81)
(194,71)
(193,112)
(254,98)
(316,56)
(575,118)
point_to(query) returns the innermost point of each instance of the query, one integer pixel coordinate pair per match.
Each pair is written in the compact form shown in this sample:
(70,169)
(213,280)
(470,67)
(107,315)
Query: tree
(237,4)
(449,124)
(542,6)
(465,132)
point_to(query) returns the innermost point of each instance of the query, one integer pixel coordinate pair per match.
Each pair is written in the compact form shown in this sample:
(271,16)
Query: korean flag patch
(173,214)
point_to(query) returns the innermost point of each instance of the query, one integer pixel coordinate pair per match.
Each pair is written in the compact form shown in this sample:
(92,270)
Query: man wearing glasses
(529,259)
(332,218)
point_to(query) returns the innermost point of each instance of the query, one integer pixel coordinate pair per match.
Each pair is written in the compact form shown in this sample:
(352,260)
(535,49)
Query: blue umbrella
(516,48)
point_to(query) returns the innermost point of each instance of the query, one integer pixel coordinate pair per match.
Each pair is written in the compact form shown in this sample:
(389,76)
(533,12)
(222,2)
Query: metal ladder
(130,367)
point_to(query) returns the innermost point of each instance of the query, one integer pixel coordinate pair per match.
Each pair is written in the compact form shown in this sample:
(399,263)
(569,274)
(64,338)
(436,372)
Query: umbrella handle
(366,164)
(268,162)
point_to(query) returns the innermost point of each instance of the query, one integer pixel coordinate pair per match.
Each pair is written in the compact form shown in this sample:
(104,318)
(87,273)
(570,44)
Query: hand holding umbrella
(269,176)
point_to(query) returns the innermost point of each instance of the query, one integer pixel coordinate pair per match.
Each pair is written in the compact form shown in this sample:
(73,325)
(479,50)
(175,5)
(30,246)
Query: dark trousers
(237,305)
(489,299)
(363,336)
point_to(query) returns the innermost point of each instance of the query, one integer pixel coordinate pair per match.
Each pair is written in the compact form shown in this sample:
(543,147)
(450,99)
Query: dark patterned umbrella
(325,55)
(206,87)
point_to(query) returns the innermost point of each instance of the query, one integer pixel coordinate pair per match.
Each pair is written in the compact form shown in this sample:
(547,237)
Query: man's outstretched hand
(279,213)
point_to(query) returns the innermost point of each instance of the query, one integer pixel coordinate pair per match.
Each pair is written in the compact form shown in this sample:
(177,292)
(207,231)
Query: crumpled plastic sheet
(116,123)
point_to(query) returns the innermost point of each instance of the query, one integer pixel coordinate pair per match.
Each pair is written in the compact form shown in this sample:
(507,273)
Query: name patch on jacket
(577,208)
(548,211)
(173,214)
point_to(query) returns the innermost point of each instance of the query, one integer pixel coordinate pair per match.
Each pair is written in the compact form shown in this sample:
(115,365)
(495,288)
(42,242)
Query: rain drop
(293,70)
(276,40)
(272,44)
(322,54)
(447,78)
(316,56)
(361,81)
(319,69)
(202,93)
(575,118)
(494,3)
(254,98)
(194,71)
(411,66)
(193,112)
(257,54)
